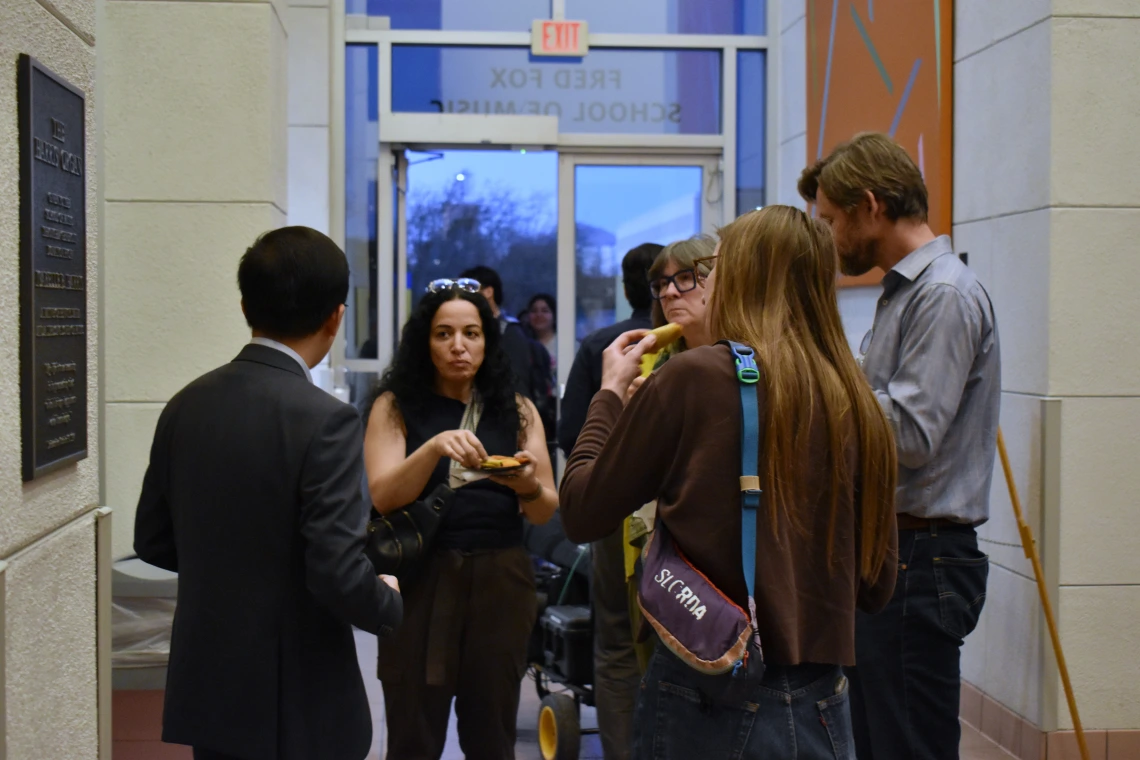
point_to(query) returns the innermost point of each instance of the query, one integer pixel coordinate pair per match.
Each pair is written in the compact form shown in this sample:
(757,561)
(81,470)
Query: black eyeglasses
(463,283)
(707,262)
(683,281)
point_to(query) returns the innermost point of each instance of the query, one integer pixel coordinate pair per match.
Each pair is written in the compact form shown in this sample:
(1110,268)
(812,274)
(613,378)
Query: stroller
(560,654)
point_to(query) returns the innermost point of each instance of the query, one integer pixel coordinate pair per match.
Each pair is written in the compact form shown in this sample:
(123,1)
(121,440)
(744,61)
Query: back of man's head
(635,274)
(292,280)
(488,278)
(869,161)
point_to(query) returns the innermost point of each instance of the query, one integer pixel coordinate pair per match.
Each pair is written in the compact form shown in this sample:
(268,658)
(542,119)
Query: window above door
(609,92)
(604,16)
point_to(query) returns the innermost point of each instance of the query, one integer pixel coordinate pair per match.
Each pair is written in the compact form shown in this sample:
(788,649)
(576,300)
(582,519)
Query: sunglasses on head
(463,283)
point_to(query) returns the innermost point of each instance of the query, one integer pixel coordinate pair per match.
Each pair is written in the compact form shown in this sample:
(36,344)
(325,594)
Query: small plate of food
(501,465)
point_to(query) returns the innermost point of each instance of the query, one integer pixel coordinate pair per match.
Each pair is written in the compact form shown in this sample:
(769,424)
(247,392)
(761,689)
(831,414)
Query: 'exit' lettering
(565,38)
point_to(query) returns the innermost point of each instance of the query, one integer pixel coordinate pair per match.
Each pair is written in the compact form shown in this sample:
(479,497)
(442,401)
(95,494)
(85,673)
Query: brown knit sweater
(679,442)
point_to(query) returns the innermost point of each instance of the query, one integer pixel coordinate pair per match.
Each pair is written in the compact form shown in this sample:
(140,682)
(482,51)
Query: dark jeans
(616,671)
(795,713)
(206,754)
(905,689)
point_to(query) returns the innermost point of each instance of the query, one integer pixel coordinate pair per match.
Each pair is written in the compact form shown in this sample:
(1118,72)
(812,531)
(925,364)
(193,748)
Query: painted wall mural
(887,66)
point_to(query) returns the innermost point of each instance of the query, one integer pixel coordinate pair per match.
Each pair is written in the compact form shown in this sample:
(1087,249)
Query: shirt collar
(270,343)
(916,262)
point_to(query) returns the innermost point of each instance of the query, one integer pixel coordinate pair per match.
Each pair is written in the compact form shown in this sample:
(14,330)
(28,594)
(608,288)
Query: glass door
(489,208)
(553,226)
(610,204)
(495,210)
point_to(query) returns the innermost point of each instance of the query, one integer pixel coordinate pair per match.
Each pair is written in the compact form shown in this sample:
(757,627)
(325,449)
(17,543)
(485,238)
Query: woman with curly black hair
(445,403)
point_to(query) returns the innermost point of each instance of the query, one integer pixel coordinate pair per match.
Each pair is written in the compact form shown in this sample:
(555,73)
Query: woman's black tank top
(485,515)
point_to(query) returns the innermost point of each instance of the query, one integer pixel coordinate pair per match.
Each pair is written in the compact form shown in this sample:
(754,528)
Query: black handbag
(399,542)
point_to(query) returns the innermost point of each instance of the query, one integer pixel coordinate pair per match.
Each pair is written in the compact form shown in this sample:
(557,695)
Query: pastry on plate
(501,463)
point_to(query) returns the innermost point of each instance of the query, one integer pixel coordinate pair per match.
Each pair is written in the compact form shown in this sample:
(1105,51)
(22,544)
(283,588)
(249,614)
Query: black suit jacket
(253,497)
(585,378)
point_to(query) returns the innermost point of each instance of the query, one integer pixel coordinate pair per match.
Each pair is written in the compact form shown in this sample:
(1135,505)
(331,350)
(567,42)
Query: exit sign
(565,38)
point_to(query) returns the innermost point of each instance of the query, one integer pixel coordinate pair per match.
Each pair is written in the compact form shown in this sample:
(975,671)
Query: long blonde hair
(775,291)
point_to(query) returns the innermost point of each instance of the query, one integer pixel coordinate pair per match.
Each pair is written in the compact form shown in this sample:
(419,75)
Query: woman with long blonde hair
(825,531)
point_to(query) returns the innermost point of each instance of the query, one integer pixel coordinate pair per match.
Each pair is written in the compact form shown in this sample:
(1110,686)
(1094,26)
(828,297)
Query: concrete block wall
(196,149)
(1045,201)
(1001,189)
(310,58)
(48,662)
(1094,365)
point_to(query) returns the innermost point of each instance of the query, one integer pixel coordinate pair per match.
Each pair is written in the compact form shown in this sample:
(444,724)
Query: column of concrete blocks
(196,150)
(1094,365)
(309,70)
(1046,203)
(48,661)
(1001,218)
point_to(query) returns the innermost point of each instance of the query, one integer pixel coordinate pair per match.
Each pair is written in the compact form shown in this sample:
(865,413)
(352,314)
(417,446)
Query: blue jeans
(796,713)
(906,685)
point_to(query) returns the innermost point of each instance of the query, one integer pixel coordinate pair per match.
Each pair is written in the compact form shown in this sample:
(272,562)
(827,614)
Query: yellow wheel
(559,732)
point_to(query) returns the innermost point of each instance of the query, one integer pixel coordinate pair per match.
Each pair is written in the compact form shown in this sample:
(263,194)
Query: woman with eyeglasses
(443,405)
(825,537)
(674,284)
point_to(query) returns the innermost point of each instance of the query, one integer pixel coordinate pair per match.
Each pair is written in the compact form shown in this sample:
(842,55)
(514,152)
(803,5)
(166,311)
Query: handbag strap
(472,413)
(748,374)
(471,416)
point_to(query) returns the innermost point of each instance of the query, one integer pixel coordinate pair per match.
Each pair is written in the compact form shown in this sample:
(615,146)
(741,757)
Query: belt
(910,522)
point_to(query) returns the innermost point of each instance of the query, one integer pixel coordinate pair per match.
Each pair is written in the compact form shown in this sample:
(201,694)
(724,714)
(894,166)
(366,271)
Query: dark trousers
(466,626)
(207,754)
(617,675)
(798,712)
(906,686)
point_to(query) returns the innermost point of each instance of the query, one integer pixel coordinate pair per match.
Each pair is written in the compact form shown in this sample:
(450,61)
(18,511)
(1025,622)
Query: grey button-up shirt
(932,358)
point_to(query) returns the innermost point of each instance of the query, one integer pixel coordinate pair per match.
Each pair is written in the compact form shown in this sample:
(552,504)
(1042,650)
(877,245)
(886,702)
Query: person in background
(441,407)
(542,314)
(529,360)
(673,283)
(825,527)
(542,322)
(616,671)
(933,360)
(253,497)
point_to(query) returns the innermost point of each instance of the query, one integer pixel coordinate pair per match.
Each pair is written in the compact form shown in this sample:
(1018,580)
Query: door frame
(467,131)
(392,239)
(714,213)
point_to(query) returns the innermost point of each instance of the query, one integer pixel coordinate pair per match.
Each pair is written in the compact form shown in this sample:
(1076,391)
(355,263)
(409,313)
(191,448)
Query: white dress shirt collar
(285,350)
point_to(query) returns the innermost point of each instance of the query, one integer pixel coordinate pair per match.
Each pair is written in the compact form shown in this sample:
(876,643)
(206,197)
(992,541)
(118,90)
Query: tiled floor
(974,746)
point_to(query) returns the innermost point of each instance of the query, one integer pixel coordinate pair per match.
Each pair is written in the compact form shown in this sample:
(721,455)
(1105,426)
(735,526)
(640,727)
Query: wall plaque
(53,270)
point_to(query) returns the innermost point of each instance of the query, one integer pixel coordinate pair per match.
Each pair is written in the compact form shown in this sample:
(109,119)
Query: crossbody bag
(694,619)
(399,542)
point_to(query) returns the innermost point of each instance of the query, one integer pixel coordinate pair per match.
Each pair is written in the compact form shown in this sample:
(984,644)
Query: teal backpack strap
(748,374)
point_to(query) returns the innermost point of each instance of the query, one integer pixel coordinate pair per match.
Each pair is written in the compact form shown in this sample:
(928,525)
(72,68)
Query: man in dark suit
(253,497)
(617,675)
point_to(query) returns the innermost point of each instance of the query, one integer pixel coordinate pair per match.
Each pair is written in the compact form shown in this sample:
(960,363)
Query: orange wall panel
(885,66)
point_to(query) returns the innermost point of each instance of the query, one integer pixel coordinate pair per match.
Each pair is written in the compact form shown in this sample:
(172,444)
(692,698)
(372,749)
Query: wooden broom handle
(1030,548)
